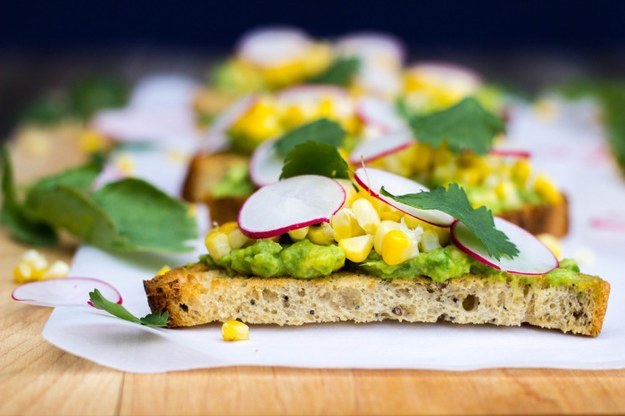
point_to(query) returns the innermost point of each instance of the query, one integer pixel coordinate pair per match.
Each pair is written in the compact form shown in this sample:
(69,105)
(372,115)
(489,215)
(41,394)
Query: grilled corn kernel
(163,270)
(237,239)
(552,243)
(298,234)
(397,247)
(235,331)
(357,248)
(57,270)
(429,241)
(366,215)
(383,229)
(322,234)
(217,244)
(521,171)
(31,267)
(547,190)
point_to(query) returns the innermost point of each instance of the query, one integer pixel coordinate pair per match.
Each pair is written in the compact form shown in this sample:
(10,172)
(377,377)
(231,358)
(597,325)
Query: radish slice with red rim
(372,47)
(379,113)
(374,179)
(534,257)
(70,291)
(511,153)
(370,150)
(266,164)
(290,204)
(273,46)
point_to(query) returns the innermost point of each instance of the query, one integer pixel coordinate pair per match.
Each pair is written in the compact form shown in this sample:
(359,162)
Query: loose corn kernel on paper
(569,147)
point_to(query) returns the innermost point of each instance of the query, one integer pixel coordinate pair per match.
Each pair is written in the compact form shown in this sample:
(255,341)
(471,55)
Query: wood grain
(37,378)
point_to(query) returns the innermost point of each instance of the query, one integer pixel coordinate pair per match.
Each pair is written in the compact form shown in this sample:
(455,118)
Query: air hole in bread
(470,302)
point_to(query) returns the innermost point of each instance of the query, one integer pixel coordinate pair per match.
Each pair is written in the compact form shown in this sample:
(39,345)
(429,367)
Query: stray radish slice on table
(289,205)
(266,164)
(70,291)
(380,114)
(374,179)
(534,257)
(270,47)
(370,150)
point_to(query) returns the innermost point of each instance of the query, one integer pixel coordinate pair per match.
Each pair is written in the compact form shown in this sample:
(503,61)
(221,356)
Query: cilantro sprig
(453,200)
(341,72)
(312,158)
(152,319)
(127,215)
(321,131)
(464,126)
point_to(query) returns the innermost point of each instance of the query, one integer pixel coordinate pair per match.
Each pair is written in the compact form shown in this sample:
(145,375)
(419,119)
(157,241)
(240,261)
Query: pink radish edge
(384,153)
(378,197)
(521,154)
(283,230)
(65,279)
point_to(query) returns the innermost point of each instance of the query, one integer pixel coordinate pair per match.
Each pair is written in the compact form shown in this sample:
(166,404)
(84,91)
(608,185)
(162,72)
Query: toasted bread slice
(198,294)
(208,169)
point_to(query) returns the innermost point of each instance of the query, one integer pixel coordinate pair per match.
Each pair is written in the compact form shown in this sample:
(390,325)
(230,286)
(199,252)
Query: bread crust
(197,294)
(206,170)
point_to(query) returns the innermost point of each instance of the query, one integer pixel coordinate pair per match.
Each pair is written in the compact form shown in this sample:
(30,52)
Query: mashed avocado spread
(305,259)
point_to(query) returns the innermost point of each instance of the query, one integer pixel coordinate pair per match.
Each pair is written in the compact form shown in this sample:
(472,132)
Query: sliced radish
(268,47)
(379,113)
(266,164)
(374,179)
(216,139)
(534,257)
(372,48)
(370,150)
(512,153)
(380,81)
(290,204)
(71,291)
(453,76)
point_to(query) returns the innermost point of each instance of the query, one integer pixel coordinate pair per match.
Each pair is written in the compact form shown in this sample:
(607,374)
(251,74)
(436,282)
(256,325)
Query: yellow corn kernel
(391,214)
(350,191)
(286,74)
(227,227)
(321,234)
(31,267)
(552,243)
(397,247)
(547,189)
(505,190)
(57,270)
(163,270)
(423,156)
(237,239)
(293,116)
(383,229)
(326,107)
(125,164)
(441,156)
(357,248)
(235,331)
(298,234)
(521,171)
(217,244)
(343,224)
(91,141)
(366,215)
(429,241)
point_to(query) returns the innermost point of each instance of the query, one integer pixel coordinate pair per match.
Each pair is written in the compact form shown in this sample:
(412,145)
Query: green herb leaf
(313,158)
(340,72)
(465,126)
(100,302)
(97,92)
(146,217)
(14,216)
(321,131)
(80,178)
(454,202)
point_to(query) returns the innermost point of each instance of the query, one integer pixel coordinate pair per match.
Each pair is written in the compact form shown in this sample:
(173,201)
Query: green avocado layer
(306,260)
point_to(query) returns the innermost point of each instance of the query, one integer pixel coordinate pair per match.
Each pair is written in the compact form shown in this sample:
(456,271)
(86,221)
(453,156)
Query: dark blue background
(438,24)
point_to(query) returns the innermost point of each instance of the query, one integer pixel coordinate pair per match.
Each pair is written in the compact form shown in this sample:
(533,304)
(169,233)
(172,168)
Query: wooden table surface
(38,378)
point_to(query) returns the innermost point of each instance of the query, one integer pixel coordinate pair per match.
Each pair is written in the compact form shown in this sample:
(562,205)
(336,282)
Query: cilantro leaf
(14,216)
(97,92)
(454,202)
(312,158)
(146,217)
(100,302)
(322,131)
(464,126)
(340,72)
(80,178)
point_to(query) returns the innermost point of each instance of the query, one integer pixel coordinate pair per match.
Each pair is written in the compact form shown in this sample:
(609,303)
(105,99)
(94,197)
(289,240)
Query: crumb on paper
(235,331)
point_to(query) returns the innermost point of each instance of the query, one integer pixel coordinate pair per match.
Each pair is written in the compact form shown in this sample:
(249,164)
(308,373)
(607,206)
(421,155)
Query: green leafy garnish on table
(127,215)
(464,126)
(453,201)
(341,72)
(321,131)
(313,158)
(152,319)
